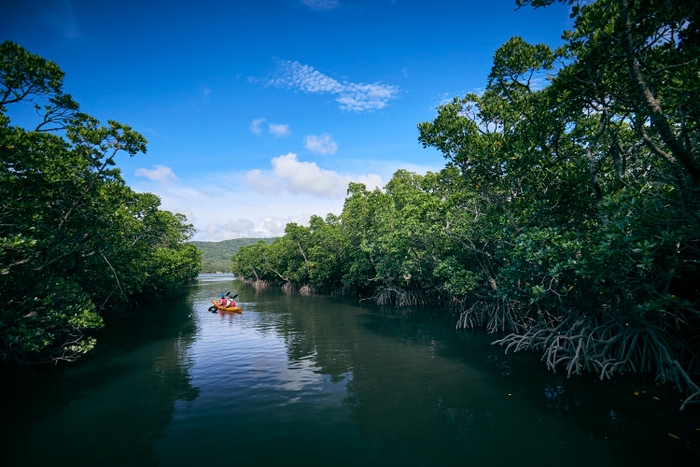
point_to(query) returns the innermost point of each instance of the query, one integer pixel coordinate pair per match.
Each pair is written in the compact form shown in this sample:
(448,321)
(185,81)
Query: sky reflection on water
(312,380)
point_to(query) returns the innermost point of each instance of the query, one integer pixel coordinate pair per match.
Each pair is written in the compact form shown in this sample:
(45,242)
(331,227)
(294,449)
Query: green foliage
(569,210)
(75,241)
(216,256)
(599,180)
(384,242)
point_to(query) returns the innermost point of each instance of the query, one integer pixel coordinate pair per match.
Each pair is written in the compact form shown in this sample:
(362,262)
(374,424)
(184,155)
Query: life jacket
(222,301)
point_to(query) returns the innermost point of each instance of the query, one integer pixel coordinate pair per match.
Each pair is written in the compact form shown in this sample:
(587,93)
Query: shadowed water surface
(312,380)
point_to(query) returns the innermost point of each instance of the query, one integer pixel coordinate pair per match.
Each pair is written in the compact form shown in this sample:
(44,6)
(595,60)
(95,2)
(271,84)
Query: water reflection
(314,380)
(110,408)
(404,395)
(417,387)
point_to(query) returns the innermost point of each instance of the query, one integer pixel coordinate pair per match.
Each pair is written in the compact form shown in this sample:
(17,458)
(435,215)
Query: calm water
(313,380)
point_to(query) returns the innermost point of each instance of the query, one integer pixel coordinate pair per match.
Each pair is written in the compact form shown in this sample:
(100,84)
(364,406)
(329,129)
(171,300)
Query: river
(316,380)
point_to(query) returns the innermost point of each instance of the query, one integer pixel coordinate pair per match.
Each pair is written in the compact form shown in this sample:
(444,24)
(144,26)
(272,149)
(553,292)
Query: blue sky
(260,112)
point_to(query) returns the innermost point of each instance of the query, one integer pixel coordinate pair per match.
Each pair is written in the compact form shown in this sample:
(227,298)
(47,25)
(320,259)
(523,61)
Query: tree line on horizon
(76,242)
(216,256)
(567,218)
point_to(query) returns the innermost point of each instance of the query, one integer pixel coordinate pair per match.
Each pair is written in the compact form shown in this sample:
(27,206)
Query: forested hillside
(75,241)
(216,256)
(568,214)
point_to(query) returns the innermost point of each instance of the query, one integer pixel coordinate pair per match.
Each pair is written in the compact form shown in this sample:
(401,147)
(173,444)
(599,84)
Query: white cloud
(293,176)
(256,203)
(322,5)
(261,182)
(355,97)
(322,144)
(231,228)
(274,227)
(278,129)
(189,214)
(307,177)
(304,77)
(361,97)
(244,227)
(255,125)
(159,173)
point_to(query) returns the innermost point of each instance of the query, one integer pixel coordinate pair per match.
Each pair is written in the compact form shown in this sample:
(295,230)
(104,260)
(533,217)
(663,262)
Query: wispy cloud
(159,173)
(537,83)
(321,5)
(153,132)
(256,125)
(288,174)
(446,98)
(63,19)
(355,97)
(278,129)
(201,99)
(322,144)
(275,129)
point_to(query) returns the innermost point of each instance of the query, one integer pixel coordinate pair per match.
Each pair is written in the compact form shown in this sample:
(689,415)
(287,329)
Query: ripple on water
(313,381)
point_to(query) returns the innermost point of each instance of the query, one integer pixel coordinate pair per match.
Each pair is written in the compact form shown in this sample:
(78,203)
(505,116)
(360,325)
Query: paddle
(213,308)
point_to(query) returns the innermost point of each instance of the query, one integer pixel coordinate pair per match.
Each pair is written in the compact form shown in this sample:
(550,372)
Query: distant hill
(216,256)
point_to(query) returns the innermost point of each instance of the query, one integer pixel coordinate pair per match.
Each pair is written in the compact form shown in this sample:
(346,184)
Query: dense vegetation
(568,214)
(216,256)
(75,241)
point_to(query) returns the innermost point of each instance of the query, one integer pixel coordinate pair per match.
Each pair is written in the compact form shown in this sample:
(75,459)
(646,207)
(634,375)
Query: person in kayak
(230,302)
(222,301)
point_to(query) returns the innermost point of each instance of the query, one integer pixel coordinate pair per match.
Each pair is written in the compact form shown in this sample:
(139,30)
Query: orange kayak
(235,309)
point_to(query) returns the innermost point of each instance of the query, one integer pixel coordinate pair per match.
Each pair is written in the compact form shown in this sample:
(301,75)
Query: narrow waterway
(314,380)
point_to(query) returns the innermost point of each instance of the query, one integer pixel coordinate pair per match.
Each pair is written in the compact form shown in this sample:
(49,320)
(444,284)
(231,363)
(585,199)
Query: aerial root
(604,346)
(392,295)
(496,314)
(257,284)
(343,290)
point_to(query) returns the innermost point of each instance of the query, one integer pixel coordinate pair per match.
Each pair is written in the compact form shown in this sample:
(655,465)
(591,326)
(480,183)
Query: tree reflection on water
(324,378)
(109,409)
(417,384)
